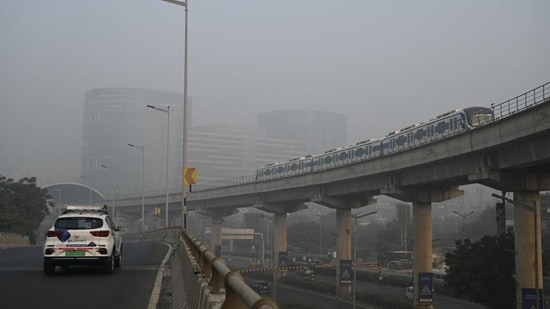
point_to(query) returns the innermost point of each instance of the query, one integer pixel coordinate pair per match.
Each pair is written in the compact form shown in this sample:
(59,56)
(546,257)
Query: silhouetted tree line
(483,271)
(23,206)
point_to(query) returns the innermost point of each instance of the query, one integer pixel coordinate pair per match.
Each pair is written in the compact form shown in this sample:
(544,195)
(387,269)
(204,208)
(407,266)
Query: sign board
(345,271)
(283,259)
(232,233)
(189,176)
(425,288)
(529,299)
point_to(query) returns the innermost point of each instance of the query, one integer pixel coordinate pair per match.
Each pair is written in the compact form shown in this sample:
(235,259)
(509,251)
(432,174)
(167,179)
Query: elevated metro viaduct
(510,155)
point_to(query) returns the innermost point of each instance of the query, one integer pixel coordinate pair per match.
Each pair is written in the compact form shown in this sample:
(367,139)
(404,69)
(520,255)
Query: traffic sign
(425,286)
(345,271)
(189,176)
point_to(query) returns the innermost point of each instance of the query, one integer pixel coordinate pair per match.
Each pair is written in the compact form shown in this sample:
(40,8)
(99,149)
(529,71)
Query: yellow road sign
(189,176)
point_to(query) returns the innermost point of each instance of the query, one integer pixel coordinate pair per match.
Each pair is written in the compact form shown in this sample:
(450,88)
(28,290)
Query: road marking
(153,301)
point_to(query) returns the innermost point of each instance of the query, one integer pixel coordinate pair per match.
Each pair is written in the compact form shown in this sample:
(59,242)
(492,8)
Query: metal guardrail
(206,266)
(522,102)
(207,282)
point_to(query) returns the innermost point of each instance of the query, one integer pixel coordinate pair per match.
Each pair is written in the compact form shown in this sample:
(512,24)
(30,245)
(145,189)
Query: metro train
(443,126)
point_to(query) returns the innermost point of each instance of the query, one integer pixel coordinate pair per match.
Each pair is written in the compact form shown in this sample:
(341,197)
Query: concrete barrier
(10,240)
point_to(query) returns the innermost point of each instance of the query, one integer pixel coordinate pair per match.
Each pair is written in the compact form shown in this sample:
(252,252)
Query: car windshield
(78,223)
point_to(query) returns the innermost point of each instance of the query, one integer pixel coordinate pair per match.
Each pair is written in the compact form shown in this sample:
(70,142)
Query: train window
(480,119)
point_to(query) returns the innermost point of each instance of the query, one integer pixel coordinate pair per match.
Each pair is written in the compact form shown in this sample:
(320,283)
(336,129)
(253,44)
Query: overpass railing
(206,281)
(522,102)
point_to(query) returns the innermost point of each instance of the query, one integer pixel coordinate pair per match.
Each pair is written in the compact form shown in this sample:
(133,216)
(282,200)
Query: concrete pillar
(343,247)
(528,259)
(279,236)
(422,225)
(216,236)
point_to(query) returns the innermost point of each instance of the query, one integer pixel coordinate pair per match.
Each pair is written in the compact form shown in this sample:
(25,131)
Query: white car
(83,235)
(409,293)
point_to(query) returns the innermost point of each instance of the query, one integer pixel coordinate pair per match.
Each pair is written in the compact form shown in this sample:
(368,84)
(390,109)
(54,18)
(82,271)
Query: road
(23,284)
(327,302)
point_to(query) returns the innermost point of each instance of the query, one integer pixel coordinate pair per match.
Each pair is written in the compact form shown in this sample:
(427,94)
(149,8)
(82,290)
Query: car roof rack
(86,208)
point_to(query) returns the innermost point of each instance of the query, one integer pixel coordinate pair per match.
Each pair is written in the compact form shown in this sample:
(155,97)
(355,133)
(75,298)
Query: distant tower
(223,151)
(319,131)
(115,117)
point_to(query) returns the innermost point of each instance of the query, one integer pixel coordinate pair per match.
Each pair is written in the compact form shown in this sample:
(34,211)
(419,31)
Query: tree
(483,271)
(23,206)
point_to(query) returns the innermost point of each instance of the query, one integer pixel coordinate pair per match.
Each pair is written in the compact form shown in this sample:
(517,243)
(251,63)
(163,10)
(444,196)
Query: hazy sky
(384,64)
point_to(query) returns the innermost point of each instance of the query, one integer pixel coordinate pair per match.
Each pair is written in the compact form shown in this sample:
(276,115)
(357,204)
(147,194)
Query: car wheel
(109,265)
(49,267)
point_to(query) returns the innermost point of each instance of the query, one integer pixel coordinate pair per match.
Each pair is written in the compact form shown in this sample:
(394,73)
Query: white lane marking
(153,301)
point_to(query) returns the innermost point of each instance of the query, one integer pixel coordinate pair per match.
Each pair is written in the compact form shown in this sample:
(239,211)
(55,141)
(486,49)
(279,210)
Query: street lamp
(167,111)
(273,256)
(320,239)
(355,217)
(142,184)
(115,186)
(89,189)
(263,247)
(185,4)
(464,215)
(58,200)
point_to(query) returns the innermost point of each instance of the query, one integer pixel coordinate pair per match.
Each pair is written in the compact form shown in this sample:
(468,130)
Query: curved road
(23,284)
(286,294)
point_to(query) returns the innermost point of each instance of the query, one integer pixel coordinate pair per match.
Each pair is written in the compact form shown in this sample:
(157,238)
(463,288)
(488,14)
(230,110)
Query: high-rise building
(222,152)
(116,117)
(318,130)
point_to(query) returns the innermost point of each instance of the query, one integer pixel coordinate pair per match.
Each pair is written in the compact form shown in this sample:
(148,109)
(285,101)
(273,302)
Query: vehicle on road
(261,287)
(307,271)
(83,235)
(409,293)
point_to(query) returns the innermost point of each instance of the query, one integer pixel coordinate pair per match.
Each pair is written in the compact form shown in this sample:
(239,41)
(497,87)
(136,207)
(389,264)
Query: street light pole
(58,200)
(320,236)
(89,190)
(115,186)
(355,217)
(263,247)
(273,257)
(167,111)
(464,215)
(142,184)
(185,4)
